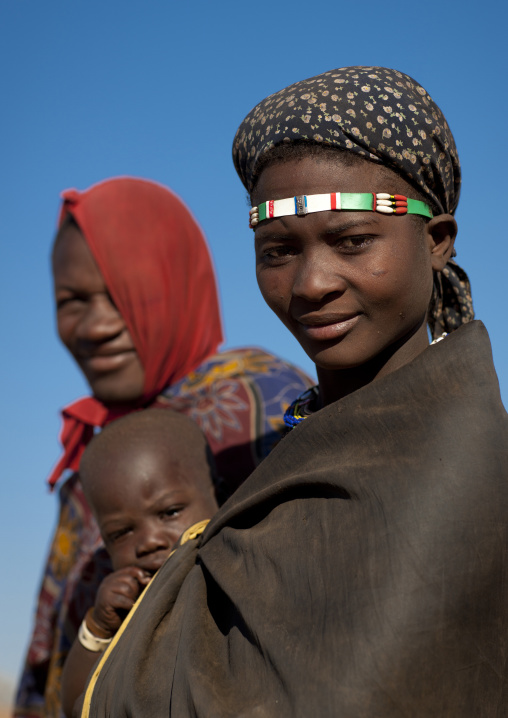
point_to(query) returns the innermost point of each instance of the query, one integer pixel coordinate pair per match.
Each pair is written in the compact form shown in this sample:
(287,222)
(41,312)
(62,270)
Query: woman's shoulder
(238,398)
(250,361)
(245,364)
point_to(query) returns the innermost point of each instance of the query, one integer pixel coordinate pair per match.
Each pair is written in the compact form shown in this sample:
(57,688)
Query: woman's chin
(116,393)
(122,386)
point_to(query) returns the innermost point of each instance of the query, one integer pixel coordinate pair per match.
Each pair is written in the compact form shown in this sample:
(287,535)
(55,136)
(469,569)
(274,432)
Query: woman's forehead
(315,174)
(72,259)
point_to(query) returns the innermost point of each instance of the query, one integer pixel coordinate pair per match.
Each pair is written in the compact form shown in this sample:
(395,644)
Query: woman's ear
(441,232)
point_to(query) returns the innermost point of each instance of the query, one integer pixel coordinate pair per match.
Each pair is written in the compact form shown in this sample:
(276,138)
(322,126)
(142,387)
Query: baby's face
(143,507)
(347,284)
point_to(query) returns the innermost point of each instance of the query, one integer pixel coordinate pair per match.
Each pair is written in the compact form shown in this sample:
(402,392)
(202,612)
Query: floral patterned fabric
(384,116)
(238,399)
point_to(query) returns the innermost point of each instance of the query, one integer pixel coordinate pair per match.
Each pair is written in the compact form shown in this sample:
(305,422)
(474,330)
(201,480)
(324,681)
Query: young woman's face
(348,285)
(89,324)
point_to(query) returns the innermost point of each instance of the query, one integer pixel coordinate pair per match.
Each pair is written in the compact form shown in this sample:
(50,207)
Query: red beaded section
(390,203)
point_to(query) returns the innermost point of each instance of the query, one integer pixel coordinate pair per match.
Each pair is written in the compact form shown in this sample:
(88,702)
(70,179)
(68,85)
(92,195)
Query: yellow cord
(191,533)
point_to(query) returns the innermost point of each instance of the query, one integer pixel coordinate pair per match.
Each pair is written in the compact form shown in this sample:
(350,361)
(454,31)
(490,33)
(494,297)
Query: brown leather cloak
(361,570)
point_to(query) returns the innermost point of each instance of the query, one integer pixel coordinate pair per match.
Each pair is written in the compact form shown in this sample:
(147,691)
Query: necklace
(302,407)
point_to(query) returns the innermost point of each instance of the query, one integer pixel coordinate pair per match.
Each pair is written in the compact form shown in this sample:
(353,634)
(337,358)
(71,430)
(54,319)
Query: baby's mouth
(151,568)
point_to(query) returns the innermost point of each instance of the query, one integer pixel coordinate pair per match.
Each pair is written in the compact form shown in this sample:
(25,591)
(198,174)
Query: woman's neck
(336,384)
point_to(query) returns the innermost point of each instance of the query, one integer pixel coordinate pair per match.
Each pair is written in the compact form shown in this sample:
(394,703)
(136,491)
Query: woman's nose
(318,275)
(101,321)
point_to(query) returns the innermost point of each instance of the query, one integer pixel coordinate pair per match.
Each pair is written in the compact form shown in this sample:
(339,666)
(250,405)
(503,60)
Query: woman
(137,308)
(361,569)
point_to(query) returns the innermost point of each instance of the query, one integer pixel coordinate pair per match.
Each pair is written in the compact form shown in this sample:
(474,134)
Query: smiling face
(352,287)
(89,324)
(145,487)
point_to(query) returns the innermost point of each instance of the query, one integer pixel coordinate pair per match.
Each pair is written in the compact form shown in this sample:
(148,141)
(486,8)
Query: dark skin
(352,287)
(145,490)
(90,325)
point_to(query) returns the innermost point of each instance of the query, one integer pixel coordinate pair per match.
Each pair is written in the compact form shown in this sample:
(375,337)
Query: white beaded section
(253,217)
(283,207)
(321,202)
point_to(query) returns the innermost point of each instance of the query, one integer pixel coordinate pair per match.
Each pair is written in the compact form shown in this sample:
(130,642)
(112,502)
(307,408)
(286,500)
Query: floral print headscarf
(384,116)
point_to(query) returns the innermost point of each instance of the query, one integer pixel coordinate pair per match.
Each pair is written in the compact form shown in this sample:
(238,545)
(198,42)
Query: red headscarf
(156,265)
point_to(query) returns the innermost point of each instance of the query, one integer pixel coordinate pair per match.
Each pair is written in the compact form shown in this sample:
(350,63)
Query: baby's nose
(152,540)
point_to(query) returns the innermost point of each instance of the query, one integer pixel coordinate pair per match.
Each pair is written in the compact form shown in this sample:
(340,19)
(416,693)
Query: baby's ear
(441,232)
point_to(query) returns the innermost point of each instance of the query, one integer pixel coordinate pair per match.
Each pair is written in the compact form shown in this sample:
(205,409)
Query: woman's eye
(355,242)
(111,300)
(277,252)
(68,301)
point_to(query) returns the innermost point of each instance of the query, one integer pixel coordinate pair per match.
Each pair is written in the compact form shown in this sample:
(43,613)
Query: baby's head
(355,285)
(147,478)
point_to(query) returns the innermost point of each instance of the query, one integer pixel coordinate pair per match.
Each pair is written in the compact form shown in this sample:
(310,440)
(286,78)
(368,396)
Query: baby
(147,478)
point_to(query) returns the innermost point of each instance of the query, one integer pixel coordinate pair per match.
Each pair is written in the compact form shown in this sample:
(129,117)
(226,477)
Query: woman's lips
(103,363)
(333,329)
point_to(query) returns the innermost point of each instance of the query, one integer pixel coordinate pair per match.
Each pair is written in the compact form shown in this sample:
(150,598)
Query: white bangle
(91,642)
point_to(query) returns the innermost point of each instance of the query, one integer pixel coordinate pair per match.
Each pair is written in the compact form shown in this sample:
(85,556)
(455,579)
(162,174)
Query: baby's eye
(118,534)
(172,511)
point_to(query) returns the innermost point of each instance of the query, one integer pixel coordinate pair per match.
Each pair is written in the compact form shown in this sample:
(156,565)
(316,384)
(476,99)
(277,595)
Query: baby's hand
(116,596)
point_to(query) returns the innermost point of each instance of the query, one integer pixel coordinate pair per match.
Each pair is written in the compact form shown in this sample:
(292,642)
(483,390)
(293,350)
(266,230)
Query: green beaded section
(262,211)
(415,206)
(356,200)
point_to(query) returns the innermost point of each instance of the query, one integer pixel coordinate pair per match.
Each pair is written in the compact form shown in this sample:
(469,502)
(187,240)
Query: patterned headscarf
(384,116)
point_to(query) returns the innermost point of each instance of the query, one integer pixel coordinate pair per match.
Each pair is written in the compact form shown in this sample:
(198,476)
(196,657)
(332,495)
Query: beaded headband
(366,201)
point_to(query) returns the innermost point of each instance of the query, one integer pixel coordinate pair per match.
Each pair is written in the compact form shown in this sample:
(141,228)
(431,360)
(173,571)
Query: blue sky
(157,89)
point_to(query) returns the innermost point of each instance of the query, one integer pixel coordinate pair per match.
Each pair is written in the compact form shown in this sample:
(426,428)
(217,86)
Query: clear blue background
(157,89)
